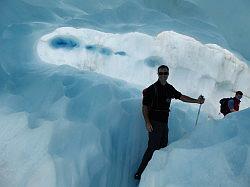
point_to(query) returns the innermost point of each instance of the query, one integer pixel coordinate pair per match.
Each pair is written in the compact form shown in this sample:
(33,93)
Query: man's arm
(146,118)
(188,99)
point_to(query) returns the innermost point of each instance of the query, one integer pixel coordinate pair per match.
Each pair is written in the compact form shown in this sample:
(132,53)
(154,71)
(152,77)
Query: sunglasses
(163,73)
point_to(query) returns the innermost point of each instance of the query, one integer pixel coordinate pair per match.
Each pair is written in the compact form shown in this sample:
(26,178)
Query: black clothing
(157,98)
(158,138)
(137,176)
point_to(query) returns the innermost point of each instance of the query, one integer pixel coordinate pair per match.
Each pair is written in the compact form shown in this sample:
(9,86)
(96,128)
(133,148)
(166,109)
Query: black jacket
(157,98)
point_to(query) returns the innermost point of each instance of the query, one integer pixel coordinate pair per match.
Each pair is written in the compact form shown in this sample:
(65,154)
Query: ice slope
(214,154)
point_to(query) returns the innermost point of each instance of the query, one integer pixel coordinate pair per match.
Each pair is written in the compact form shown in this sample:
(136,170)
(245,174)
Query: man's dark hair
(239,93)
(163,67)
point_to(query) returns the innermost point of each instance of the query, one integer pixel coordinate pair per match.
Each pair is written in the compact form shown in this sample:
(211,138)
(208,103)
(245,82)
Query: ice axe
(201,96)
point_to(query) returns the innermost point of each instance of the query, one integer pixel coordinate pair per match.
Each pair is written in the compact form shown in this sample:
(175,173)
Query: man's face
(238,96)
(163,74)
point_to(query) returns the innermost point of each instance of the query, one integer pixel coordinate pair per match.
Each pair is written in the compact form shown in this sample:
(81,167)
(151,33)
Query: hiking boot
(137,176)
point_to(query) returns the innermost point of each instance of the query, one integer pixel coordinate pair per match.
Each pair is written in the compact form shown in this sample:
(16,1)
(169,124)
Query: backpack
(223,105)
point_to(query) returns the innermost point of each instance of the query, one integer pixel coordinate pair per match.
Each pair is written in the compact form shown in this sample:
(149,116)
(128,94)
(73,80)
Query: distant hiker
(229,105)
(155,108)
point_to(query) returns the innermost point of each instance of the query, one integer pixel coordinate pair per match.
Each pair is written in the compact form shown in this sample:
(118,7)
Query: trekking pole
(198,113)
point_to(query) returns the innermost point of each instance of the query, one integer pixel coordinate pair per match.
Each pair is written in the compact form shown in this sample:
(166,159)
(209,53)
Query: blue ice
(91,47)
(121,53)
(100,49)
(105,51)
(64,42)
(153,61)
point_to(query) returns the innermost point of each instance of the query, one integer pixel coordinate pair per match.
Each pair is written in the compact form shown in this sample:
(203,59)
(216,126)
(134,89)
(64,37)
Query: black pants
(158,138)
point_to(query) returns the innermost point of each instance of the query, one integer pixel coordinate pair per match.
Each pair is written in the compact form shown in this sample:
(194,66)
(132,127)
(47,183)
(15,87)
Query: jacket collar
(158,83)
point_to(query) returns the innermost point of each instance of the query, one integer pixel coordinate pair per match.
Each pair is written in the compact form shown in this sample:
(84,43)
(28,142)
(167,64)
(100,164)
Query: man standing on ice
(155,108)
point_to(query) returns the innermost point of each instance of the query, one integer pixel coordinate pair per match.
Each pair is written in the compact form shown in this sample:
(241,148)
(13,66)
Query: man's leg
(153,144)
(164,137)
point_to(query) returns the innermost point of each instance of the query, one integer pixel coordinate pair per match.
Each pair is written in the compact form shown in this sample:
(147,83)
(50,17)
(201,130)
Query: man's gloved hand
(201,99)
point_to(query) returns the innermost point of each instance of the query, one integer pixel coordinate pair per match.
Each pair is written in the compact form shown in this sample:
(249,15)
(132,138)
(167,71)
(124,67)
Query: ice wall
(195,68)
(62,127)
(206,21)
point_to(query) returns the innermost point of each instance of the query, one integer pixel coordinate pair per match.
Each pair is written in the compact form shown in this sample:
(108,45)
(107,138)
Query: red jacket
(236,104)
